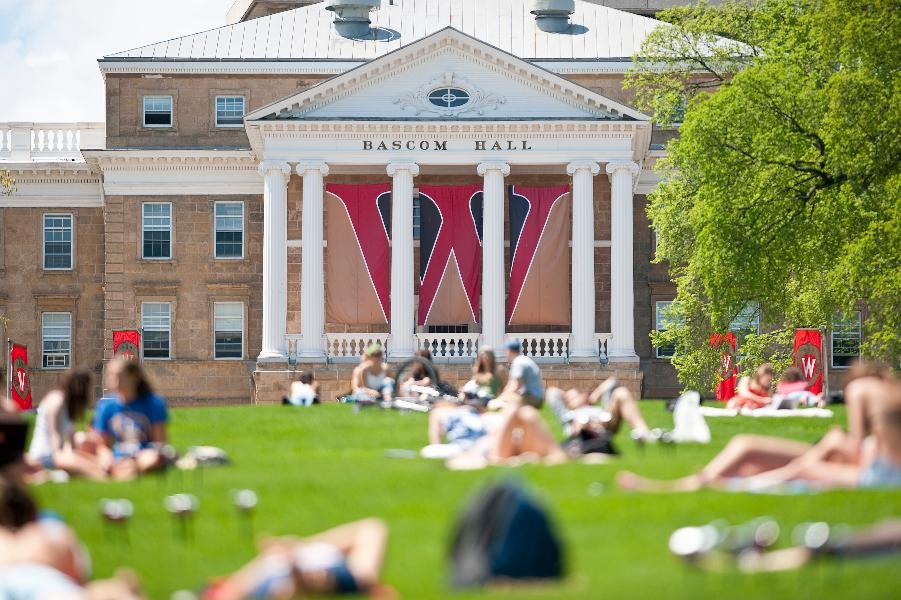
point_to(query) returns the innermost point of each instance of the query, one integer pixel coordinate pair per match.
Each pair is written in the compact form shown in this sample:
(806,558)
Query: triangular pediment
(447,76)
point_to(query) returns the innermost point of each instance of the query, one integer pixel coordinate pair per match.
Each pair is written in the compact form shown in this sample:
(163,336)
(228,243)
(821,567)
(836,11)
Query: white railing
(602,339)
(551,347)
(26,142)
(450,347)
(349,347)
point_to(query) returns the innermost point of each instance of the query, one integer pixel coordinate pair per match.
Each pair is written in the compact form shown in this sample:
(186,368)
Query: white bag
(690,425)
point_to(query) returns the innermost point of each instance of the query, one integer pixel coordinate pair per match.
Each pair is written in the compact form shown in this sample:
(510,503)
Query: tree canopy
(784,185)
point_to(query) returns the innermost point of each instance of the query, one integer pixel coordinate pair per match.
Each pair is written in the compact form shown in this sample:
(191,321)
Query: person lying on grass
(792,392)
(53,440)
(42,557)
(304,391)
(129,427)
(345,560)
(600,413)
(869,455)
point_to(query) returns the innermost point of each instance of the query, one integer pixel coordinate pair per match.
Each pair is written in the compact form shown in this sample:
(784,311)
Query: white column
(622,295)
(312,284)
(275,259)
(403,325)
(582,346)
(493,289)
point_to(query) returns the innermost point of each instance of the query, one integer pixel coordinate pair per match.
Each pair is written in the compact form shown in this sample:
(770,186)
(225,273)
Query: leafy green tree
(784,185)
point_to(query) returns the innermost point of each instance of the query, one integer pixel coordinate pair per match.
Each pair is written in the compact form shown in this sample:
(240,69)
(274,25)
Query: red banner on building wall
(728,371)
(809,357)
(19,377)
(450,269)
(127,344)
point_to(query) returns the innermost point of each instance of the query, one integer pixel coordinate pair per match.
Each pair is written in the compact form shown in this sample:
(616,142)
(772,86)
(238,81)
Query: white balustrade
(547,347)
(25,142)
(602,340)
(349,347)
(450,347)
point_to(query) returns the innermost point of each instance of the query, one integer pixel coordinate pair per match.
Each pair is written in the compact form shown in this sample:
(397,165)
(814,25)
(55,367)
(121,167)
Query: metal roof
(306,33)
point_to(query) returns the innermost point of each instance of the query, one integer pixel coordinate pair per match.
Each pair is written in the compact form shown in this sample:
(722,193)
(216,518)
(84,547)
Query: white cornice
(177,172)
(52,185)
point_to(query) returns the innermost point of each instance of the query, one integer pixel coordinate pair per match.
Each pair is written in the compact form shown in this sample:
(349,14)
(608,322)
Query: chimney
(352,16)
(553,15)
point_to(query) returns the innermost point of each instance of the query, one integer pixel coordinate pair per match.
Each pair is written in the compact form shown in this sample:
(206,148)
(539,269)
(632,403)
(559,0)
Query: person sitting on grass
(792,392)
(131,422)
(370,379)
(754,391)
(524,386)
(603,411)
(868,456)
(486,383)
(304,391)
(52,442)
(345,560)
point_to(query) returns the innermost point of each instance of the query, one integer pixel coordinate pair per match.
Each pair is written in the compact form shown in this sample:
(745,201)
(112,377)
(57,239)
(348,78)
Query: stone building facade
(185,211)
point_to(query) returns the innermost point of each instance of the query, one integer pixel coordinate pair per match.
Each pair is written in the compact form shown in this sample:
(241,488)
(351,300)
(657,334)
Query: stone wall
(27,290)
(271,383)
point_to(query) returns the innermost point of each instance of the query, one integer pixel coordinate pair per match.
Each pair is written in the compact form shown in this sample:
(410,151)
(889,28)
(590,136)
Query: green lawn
(315,468)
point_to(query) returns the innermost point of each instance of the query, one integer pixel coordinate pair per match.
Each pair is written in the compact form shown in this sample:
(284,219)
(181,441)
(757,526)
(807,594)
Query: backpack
(504,533)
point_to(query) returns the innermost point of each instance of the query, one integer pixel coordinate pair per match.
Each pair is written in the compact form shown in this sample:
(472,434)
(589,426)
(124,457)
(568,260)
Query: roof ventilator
(553,15)
(352,16)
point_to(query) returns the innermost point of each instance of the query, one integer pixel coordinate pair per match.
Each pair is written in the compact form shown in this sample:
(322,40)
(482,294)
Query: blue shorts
(880,474)
(47,462)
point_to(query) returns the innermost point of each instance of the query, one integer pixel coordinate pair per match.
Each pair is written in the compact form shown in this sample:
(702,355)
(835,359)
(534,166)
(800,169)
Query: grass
(316,468)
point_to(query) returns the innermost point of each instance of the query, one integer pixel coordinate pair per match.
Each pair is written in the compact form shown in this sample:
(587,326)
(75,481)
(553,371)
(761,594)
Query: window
(229,111)
(57,242)
(229,229)
(156,319)
(228,324)
(664,319)
(56,335)
(157,240)
(417,217)
(448,97)
(157,111)
(845,339)
(745,322)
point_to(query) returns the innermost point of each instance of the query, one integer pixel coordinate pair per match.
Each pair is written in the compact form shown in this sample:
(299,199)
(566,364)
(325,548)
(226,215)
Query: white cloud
(49,49)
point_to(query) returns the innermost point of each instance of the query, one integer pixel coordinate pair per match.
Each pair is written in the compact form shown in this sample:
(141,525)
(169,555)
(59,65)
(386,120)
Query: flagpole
(826,363)
(141,347)
(9,369)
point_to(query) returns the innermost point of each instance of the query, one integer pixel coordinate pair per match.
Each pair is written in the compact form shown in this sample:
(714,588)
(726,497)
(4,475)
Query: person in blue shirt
(131,422)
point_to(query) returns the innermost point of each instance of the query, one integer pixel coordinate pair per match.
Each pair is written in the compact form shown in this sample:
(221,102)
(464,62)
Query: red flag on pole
(20,379)
(809,357)
(728,371)
(127,344)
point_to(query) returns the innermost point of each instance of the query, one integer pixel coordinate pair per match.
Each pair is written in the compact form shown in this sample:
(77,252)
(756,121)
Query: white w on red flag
(727,375)
(808,356)
(20,379)
(127,344)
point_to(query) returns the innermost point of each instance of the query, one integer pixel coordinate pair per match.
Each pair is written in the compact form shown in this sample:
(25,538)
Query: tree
(784,185)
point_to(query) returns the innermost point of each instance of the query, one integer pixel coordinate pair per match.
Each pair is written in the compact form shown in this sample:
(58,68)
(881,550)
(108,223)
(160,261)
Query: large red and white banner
(20,379)
(127,344)
(808,355)
(450,264)
(539,248)
(358,258)
(727,375)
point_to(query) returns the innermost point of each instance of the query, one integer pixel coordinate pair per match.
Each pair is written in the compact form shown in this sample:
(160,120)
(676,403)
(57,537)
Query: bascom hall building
(276,194)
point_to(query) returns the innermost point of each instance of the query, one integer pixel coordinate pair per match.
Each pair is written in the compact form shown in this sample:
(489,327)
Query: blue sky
(49,49)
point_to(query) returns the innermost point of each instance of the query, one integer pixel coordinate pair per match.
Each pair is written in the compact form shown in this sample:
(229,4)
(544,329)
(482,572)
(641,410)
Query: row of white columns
(312,322)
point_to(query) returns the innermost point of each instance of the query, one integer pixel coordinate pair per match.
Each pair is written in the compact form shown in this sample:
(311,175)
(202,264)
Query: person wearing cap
(370,379)
(524,386)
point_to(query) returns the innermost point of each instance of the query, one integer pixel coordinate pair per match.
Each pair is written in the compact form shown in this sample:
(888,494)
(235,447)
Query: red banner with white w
(19,377)
(127,344)
(728,371)
(809,357)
